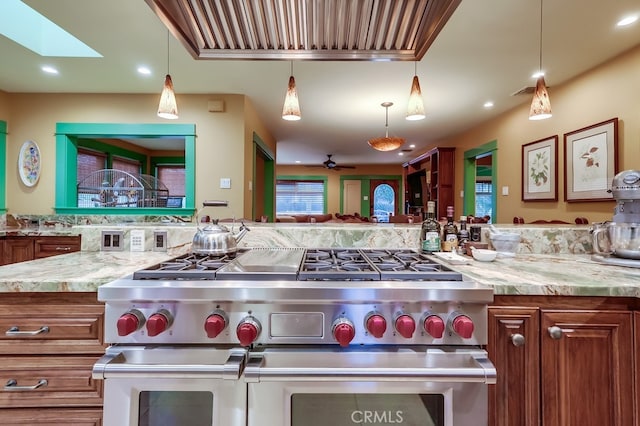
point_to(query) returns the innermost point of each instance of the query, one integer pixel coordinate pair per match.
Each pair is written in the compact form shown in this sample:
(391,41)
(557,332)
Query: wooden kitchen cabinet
(562,361)
(431,177)
(23,248)
(62,337)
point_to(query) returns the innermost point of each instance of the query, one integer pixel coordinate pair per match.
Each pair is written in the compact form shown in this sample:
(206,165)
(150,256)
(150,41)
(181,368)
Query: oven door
(149,386)
(404,386)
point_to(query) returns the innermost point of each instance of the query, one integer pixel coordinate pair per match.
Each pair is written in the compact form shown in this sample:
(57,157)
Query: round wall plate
(29,163)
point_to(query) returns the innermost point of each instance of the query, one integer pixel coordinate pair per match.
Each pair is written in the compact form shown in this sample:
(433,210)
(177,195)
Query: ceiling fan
(332,165)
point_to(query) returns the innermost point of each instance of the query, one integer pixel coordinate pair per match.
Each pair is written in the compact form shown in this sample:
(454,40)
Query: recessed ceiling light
(627,20)
(49,70)
(413,145)
(297,161)
(401,153)
(144,70)
(488,104)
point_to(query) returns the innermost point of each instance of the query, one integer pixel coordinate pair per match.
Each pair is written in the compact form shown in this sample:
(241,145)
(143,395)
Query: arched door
(383,194)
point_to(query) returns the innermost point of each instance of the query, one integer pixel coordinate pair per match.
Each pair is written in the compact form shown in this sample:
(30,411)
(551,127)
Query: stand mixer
(618,242)
(625,188)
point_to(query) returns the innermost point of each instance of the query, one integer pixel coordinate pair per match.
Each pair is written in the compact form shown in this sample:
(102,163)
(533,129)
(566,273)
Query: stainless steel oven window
(175,408)
(312,409)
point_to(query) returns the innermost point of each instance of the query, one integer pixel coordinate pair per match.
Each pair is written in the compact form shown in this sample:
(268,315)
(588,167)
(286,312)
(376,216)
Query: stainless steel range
(293,336)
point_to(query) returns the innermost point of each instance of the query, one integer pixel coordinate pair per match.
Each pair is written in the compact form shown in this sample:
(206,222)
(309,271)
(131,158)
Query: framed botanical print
(591,162)
(540,170)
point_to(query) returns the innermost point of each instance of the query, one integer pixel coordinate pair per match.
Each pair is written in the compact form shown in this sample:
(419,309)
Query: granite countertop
(526,274)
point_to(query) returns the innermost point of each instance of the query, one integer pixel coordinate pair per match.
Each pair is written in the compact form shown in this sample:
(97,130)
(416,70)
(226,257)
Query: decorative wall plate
(29,163)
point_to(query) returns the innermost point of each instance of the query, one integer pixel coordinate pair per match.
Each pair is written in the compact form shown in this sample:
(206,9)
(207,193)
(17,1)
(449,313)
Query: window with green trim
(300,197)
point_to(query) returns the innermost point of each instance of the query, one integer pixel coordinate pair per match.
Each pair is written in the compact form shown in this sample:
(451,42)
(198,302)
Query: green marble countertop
(526,274)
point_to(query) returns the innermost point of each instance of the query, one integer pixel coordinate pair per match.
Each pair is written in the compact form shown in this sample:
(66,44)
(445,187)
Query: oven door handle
(483,371)
(113,365)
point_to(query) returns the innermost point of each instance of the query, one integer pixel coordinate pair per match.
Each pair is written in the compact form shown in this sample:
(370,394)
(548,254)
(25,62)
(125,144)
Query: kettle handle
(209,203)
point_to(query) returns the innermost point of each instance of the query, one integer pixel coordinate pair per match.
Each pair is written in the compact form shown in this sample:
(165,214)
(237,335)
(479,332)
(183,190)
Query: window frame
(68,136)
(320,178)
(3,166)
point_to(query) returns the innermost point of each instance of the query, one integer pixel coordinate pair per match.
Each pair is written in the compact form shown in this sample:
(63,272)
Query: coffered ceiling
(464,54)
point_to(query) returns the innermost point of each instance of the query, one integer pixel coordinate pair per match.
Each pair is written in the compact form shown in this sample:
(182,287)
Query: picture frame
(540,170)
(591,162)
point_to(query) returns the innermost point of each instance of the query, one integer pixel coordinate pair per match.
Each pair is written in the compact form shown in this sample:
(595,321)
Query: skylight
(34,31)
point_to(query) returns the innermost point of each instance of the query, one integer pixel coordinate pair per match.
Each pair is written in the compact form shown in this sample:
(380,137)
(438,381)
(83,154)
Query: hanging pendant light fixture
(291,108)
(386,143)
(541,105)
(415,108)
(168,108)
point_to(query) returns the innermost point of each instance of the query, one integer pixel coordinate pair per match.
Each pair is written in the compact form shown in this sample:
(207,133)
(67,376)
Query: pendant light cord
(540,69)
(386,121)
(168,52)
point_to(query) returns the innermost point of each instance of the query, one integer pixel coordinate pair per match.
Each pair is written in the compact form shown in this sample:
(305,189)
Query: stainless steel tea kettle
(215,238)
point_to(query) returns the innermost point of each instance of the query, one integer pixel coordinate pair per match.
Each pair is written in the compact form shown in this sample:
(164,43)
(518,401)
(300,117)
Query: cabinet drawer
(51,416)
(68,381)
(51,329)
(53,246)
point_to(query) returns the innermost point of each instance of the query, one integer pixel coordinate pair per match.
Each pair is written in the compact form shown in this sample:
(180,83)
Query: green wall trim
(324,179)
(469,205)
(263,147)
(112,151)
(3,166)
(67,140)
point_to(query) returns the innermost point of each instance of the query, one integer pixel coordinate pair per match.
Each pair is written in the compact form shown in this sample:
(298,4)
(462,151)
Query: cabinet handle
(12,385)
(63,248)
(517,339)
(555,332)
(15,331)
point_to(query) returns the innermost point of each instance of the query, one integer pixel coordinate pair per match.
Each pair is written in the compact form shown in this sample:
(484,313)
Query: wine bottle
(430,230)
(463,234)
(449,232)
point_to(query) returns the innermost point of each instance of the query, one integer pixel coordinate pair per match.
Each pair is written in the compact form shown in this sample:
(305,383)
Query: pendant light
(540,105)
(291,108)
(415,108)
(386,143)
(168,108)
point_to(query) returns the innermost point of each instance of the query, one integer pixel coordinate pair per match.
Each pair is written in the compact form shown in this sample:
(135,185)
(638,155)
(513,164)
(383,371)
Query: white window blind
(299,197)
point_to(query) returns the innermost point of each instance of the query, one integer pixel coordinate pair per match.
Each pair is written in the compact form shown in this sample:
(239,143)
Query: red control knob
(214,324)
(344,333)
(247,332)
(156,324)
(463,326)
(127,324)
(434,326)
(376,325)
(405,325)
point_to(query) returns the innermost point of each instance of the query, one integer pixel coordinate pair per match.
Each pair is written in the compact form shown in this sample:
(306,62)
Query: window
(483,199)
(90,161)
(126,165)
(384,202)
(173,177)
(300,196)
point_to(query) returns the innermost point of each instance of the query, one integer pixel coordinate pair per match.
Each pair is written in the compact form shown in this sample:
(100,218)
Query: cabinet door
(51,416)
(19,249)
(587,368)
(514,350)
(53,246)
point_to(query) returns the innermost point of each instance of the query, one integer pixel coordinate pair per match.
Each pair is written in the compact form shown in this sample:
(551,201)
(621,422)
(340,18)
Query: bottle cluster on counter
(450,237)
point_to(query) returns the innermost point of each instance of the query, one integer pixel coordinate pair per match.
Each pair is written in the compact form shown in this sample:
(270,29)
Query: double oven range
(293,337)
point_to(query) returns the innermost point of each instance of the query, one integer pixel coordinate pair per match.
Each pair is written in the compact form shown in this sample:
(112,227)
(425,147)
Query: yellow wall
(609,91)
(333,182)
(220,141)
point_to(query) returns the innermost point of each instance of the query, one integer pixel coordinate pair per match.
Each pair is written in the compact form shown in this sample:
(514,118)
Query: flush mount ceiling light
(415,108)
(540,105)
(168,108)
(386,143)
(291,108)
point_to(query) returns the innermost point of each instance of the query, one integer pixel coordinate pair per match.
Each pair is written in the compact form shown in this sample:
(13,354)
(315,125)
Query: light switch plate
(137,240)
(505,190)
(225,183)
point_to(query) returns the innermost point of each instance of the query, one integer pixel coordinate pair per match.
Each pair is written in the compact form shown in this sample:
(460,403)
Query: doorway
(480,181)
(383,194)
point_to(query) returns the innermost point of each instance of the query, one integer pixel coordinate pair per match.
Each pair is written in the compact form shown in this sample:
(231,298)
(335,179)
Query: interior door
(351,190)
(382,206)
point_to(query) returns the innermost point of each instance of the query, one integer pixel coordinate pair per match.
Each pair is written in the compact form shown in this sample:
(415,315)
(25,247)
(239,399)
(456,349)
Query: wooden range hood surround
(360,30)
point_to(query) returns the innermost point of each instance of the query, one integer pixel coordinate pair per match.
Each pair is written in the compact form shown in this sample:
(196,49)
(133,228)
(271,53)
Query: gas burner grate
(336,264)
(186,267)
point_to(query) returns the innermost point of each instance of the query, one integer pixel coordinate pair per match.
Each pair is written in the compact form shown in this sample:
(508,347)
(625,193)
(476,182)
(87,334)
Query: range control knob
(248,330)
(215,323)
(129,322)
(462,325)
(159,322)
(405,325)
(434,326)
(375,324)
(343,331)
